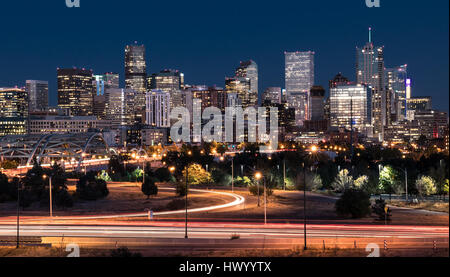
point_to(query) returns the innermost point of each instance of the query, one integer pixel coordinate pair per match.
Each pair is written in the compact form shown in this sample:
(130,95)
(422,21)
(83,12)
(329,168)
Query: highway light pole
(50,193)
(265,202)
(18,213)
(232,173)
(186,203)
(304,204)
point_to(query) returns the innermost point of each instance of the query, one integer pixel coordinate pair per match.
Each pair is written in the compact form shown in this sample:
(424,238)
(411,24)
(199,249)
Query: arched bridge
(54,148)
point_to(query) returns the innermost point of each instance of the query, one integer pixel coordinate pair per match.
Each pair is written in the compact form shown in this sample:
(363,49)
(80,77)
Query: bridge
(54,148)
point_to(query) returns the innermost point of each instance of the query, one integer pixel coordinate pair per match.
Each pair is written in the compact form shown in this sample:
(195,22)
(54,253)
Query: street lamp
(50,192)
(19,185)
(258,177)
(304,203)
(186,203)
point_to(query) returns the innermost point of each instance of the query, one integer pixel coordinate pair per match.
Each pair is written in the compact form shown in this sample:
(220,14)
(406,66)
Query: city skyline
(426,70)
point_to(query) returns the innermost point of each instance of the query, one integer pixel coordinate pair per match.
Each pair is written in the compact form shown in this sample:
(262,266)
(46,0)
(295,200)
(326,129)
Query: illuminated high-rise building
(317,95)
(136,74)
(111,80)
(105,81)
(170,81)
(248,70)
(241,87)
(76,91)
(370,72)
(396,79)
(299,78)
(273,95)
(13,111)
(351,104)
(120,106)
(37,95)
(157,108)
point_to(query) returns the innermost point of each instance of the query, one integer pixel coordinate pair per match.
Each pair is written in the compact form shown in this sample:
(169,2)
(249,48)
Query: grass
(429,206)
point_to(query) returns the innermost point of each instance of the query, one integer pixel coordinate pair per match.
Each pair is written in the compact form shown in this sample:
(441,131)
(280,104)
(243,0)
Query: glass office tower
(76,91)
(299,78)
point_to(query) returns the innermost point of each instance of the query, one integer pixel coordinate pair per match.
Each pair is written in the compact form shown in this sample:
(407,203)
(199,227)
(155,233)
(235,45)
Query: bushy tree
(163,175)
(426,185)
(221,177)
(103,175)
(63,199)
(313,182)
(197,175)
(149,187)
(243,181)
(89,187)
(354,203)
(343,181)
(387,180)
(361,182)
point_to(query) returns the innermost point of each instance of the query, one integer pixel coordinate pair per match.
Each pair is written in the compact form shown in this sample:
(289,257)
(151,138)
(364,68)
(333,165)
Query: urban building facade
(76,91)
(299,78)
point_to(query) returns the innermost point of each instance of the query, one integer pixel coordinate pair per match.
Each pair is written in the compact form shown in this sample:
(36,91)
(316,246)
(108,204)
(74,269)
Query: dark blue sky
(207,39)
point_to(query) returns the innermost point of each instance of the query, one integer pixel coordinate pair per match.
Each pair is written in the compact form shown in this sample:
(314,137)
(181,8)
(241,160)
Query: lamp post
(232,173)
(186,203)
(258,177)
(304,204)
(284,172)
(50,192)
(18,212)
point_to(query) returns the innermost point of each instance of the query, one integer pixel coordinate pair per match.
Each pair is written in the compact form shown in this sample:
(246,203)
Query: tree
(343,181)
(354,203)
(388,180)
(149,187)
(426,185)
(163,175)
(361,182)
(89,187)
(7,191)
(313,182)
(63,199)
(115,166)
(103,175)
(439,175)
(197,175)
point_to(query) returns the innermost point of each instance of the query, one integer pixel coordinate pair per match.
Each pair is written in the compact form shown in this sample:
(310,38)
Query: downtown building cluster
(377,107)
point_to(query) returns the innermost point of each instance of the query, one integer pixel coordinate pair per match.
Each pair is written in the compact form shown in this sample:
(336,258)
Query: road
(248,236)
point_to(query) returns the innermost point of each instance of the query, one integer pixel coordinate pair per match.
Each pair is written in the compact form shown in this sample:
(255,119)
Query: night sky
(207,39)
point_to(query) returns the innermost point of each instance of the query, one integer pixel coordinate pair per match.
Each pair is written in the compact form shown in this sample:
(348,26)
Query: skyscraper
(37,95)
(351,103)
(136,74)
(76,91)
(299,78)
(120,106)
(158,108)
(273,95)
(317,102)
(370,72)
(249,70)
(396,84)
(13,111)
(111,80)
(170,81)
(241,87)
